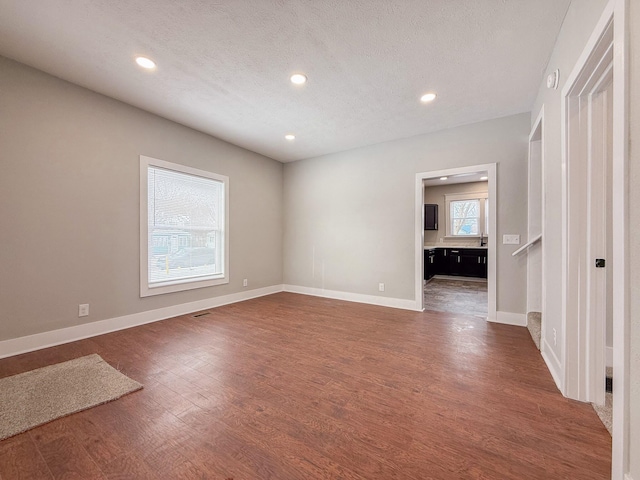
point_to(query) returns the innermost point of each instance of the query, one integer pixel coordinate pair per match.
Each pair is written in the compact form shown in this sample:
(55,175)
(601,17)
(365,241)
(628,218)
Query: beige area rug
(42,395)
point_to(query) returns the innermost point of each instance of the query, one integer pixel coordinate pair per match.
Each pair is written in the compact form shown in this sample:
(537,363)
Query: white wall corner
(628,476)
(510,318)
(553,364)
(29,343)
(609,356)
(356,297)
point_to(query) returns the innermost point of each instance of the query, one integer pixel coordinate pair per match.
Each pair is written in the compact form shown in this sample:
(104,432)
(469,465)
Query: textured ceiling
(223,66)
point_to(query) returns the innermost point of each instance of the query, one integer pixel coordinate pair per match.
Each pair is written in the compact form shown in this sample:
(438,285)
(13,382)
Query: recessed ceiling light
(298,78)
(443,178)
(484,178)
(428,97)
(290,137)
(145,62)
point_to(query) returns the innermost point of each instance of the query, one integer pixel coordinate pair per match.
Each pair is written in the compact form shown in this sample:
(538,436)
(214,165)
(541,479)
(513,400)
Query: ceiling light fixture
(484,178)
(443,178)
(298,78)
(428,97)
(290,137)
(145,62)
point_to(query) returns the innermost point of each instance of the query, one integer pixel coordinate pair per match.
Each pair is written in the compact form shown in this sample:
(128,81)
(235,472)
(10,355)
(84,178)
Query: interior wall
(69,203)
(350,216)
(436,194)
(576,29)
(634,239)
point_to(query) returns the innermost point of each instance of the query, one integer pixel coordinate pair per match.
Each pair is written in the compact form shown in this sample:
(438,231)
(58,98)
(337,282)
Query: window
(468,214)
(465,217)
(183,228)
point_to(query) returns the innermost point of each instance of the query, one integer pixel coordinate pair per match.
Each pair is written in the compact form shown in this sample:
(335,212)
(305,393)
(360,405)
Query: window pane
(185,222)
(467,226)
(464,217)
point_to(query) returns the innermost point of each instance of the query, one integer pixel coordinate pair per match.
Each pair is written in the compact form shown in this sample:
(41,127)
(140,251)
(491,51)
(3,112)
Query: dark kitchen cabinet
(442,261)
(431,216)
(429,263)
(464,262)
(468,262)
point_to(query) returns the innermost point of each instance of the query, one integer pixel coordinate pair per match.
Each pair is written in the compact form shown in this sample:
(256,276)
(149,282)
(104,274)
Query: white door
(588,268)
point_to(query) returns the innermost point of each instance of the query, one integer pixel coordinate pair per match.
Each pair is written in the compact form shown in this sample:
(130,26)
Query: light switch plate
(511,239)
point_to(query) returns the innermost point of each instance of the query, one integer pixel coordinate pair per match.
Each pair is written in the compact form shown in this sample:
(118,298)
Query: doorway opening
(535,225)
(456,240)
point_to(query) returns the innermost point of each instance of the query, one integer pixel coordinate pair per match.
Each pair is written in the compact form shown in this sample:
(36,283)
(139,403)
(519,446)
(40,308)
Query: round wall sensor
(552,79)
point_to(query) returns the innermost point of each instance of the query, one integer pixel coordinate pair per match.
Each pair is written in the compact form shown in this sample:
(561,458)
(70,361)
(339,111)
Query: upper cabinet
(431,216)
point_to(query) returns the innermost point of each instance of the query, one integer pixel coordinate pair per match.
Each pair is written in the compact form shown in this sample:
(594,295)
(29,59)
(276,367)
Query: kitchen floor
(456,295)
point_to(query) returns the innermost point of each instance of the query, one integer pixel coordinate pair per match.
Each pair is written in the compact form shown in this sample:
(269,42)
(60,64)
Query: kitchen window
(468,214)
(183,228)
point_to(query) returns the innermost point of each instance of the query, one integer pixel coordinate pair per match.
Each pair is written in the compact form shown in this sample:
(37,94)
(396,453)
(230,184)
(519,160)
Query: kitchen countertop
(429,247)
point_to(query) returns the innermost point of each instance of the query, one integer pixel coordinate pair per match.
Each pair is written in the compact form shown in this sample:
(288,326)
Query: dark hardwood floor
(296,387)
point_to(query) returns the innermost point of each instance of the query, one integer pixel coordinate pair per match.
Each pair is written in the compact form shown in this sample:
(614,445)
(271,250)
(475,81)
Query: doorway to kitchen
(456,239)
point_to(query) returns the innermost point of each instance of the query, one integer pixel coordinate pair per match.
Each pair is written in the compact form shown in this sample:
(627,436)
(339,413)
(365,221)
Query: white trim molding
(553,364)
(149,287)
(482,218)
(356,297)
(609,357)
(510,318)
(492,173)
(16,346)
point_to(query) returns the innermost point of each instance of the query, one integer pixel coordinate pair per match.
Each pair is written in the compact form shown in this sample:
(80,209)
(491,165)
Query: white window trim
(186,284)
(452,197)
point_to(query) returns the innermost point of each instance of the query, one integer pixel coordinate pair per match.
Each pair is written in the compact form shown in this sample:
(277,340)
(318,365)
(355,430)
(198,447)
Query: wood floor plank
(65,456)
(21,460)
(295,387)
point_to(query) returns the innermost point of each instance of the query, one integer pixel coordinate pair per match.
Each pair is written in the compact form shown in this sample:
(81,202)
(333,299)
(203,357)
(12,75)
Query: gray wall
(437,195)
(69,203)
(350,216)
(578,25)
(634,243)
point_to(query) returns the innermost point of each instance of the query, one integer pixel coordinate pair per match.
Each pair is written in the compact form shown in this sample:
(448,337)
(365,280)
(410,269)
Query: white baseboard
(510,318)
(627,476)
(16,346)
(355,297)
(553,364)
(609,356)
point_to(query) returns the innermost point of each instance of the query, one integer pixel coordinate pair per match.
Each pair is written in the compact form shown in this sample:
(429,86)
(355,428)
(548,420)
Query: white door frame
(584,330)
(614,17)
(491,169)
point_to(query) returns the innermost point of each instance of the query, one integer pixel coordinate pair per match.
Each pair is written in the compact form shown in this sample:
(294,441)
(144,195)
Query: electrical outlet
(381,287)
(83,310)
(511,239)
(245,282)
(555,338)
